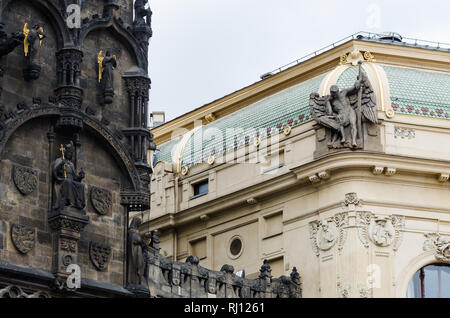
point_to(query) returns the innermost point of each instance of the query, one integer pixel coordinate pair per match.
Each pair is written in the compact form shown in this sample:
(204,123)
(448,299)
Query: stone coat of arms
(100,254)
(101,200)
(23,238)
(25,179)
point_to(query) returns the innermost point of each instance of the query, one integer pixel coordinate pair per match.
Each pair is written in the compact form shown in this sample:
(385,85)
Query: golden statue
(36,32)
(100,59)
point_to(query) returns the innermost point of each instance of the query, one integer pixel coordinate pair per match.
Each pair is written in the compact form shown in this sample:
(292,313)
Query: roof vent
(390,36)
(266,75)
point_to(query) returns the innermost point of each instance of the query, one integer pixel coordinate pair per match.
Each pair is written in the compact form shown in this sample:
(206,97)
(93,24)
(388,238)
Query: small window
(236,247)
(200,188)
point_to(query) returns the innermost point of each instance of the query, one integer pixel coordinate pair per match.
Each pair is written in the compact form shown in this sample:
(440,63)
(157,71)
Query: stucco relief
(381,231)
(327,233)
(441,246)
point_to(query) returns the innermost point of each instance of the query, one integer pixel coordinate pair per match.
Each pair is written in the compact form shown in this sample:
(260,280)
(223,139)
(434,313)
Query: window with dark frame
(200,188)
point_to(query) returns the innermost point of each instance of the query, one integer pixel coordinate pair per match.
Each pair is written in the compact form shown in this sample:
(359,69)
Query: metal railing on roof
(391,38)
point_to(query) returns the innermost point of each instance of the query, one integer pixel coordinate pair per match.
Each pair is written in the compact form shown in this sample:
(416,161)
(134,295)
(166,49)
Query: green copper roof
(418,92)
(413,91)
(264,118)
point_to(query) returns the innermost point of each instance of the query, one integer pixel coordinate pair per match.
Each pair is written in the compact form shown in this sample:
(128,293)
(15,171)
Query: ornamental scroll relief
(440,246)
(381,231)
(327,233)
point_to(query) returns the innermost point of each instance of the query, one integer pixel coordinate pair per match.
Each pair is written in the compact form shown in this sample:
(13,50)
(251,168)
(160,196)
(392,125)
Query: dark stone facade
(72,167)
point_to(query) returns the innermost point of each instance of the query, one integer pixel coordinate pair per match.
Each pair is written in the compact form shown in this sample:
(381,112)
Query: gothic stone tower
(73,143)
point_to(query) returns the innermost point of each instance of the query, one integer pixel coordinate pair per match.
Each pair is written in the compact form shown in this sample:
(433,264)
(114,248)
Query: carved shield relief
(100,255)
(25,179)
(23,238)
(101,200)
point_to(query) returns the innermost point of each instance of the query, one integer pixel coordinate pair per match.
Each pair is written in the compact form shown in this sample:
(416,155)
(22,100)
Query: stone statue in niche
(141,12)
(32,45)
(68,191)
(136,250)
(106,65)
(341,113)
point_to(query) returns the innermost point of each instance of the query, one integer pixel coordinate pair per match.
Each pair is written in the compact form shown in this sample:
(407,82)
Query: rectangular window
(200,189)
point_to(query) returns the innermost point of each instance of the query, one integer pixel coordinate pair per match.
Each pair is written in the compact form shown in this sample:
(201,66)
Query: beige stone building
(249,177)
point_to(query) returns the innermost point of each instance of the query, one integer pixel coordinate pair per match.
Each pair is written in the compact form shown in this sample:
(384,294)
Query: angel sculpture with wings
(344,109)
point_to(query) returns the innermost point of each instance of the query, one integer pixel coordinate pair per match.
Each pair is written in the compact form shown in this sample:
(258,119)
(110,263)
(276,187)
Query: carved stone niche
(354,128)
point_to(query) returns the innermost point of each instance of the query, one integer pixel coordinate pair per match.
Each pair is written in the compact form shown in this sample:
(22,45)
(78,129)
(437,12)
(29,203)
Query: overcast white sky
(202,50)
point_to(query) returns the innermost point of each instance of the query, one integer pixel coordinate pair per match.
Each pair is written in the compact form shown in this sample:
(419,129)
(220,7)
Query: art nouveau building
(253,176)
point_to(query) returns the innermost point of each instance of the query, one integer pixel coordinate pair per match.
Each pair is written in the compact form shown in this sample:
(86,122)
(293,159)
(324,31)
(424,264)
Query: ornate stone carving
(382,231)
(143,16)
(341,113)
(23,238)
(101,200)
(68,66)
(17,292)
(100,255)
(325,234)
(25,179)
(68,245)
(351,198)
(365,292)
(211,283)
(439,245)
(343,291)
(404,133)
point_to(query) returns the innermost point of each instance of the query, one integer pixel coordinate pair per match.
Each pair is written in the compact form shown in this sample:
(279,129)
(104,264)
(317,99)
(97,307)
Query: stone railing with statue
(152,275)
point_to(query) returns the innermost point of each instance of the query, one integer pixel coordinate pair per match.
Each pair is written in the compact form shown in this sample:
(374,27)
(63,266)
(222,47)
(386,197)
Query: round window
(236,246)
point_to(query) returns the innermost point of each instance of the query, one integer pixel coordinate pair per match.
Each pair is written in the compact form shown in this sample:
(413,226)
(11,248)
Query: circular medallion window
(236,246)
